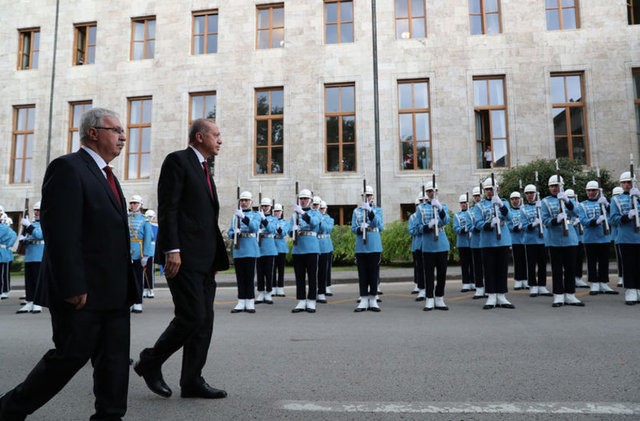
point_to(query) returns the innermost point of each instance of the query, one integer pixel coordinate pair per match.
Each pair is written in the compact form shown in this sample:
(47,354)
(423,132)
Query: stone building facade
(303,64)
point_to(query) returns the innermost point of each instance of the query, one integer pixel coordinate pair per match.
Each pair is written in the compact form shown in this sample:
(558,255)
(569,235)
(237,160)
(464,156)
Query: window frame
(271,7)
(635,76)
(340,114)
(568,106)
(15,132)
(633,12)
(477,109)
(86,45)
(203,94)
(413,111)
(483,13)
(139,127)
(269,118)
(339,22)
(33,49)
(145,42)
(410,18)
(206,14)
(85,106)
(559,9)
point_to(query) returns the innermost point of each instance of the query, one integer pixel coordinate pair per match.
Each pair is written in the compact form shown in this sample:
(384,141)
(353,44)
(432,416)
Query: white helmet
(429,186)
(475,191)
(462,198)
(304,194)
(617,190)
(570,193)
(592,185)
(266,202)
(368,190)
(323,204)
(36,206)
(150,214)
(136,198)
(487,184)
(277,207)
(515,195)
(529,188)
(553,180)
(316,200)
(625,176)
(246,195)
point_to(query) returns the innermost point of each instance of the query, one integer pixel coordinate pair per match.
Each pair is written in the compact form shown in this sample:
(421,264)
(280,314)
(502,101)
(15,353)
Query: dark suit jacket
(86,237)
(188,215)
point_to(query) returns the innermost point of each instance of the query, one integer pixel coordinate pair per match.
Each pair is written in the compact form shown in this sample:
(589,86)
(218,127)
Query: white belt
(309,233)
(324,235)
(266,235)
(35,242)
(369,229)
(247,235)
(278,237)
(2,246)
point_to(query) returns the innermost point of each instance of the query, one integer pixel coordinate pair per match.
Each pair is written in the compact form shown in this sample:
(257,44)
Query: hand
(561,217)
(436,204)
(432,223)
(279,230)
(298,209)
(576,222)
(78,301)
(495,221)
(634,192)
(366,206)
(21,237)
(25,222)
(519,226)
(236,230)
(600,219)
(172,264)
(535,222)
(603,201)
(632,213)
(538,204)
(262,215)
(144,260)
(364,225)
(239,213)
(562,196)
(496,200)
(296,228)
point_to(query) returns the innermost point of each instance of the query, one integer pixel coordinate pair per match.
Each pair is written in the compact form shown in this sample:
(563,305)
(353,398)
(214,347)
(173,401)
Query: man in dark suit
(86,277)
(191,248)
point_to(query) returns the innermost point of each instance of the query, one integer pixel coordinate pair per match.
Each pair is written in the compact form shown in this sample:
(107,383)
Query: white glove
(436,204)
(262,215)
(364,225)
(25,222)
(239,213)
(296,227)
(144,260)
(298,209)
(603,201)
(561,217)
(600,219)
(535,222)
(432,223)
(632,213)
(576,222)
(21,237)
(366,206)
(519,225)
(634,192)
(496,200)
(236,230)
(495,221)
(538,204)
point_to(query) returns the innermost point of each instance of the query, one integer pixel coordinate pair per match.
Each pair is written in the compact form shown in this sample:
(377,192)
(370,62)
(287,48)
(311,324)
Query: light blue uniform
(463,225)
(482,213)
(532,234)
(376,225)
(141,236)
(620,207)
(247,237)
(267,232)
(588,212)
(34,247)
(324,234)
(429,243)
(308,234)
(7,239)
(516,217)
(554,236)
(282,227)
(416,238)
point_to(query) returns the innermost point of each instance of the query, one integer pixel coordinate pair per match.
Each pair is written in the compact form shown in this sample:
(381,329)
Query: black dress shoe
(557,304)
(445,308)
(268,301)
(488,307)
(359,310)
(321,301)
(506,305)
(328,294)
(297,310)
(154,380)
(235,310)
(414,292)
(533,295)
(630,303)
(202,391)
(578,304)
(420,299)
(246,310)
(612,292)
(594,292)
(311,310)
(374,309)
(427,309)
(465,290)
(478,297)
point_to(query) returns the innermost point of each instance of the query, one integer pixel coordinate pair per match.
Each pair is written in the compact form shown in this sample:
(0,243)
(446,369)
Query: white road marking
(609,408)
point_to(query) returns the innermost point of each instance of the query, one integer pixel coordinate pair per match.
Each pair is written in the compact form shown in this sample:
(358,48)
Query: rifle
(364,212)
(435,211)
(580,228)
(236,222)
(22,244)
(538,213)
(294,220)
(603,209)
(565,222)
(468,210)
(495,207)
(259,210)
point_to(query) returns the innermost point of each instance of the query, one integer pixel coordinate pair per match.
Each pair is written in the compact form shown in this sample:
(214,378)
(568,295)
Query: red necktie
(206,173)
(112,183)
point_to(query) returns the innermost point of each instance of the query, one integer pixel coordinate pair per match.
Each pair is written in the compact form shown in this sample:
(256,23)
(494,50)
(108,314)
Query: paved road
(531,363)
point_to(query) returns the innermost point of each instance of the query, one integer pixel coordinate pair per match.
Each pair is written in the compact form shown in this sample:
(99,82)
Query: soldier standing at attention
(32,259)
(476,250)
(463,226)
(517,223)
(326,251)
(268,252)
(282,227)
(141,237)
(416,253)
(534,244)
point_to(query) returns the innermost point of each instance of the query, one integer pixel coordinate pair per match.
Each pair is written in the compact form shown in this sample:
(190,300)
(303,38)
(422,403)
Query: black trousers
(368,273)
(79,335)
(278,270)
(265,269)
(245,268)
(618,259)
(329,269)
(495,262)
(31,270)
(138,274)
(579,260)
(597,262)
(563,265)
(5,277)
(418,269)
(438,262)
(324,272)
(536,264)
(306,266)
(631,265)
(519,262)
(478,271)
(466,264)
(149,274)
(193,293)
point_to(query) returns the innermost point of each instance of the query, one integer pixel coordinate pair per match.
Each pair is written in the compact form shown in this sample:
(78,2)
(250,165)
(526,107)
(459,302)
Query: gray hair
(197,126)
(94,118)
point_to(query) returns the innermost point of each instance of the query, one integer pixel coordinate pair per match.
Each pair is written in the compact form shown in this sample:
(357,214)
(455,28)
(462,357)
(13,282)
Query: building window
(340,127)
(139,138)
(202,105)
(84,43)
(28,48)
(636,90)
(484,16)
(411,19)
(269,131)
(76,109)
(414,123)
(341,214)
(569,116)
(633,12)
(24,117)
(270,26)
(562,14)
(205,32)
(143,38)
(338,21)
(490,112)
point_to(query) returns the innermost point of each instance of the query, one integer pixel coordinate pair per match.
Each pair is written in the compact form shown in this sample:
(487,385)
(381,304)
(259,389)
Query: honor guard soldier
(517,225)
(7,238)
(490,218)
(326,252)
(366,224)
(141,237)
(596,238)
(305,252)
(624,216)
(282,227)
(149,271)
(534,244)
(416,253)
(244,228)
(614,234)
(577,226)
(562,241)
(463,226)
(34,248)
(476,250)
(268,252)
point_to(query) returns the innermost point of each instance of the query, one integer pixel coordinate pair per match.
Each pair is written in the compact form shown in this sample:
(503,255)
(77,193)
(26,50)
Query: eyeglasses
(118,130)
